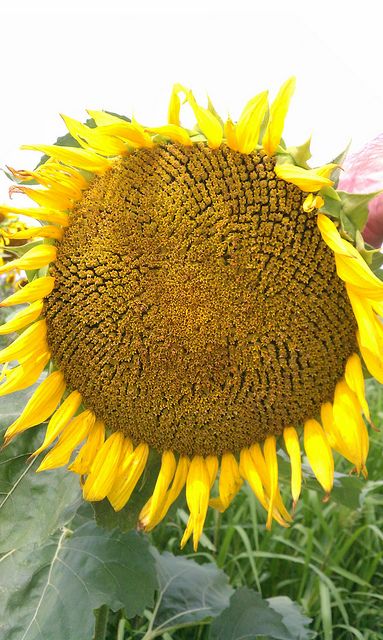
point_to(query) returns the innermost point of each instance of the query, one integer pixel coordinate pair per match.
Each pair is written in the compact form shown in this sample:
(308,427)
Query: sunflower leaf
(32,505)
(50,591)
(189,593)
(249,616)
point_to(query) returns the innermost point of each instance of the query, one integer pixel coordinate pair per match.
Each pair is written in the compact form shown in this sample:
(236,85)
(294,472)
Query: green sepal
(339,160)
(355,207)
(332,202)
(301,154)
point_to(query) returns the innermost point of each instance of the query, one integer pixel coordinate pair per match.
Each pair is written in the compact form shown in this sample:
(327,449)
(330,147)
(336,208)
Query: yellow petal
(102,118)
(231,134)
(22,318)
(250,121)
(35,290)
(354,271)
(173,133)
(175,105)
(40,406)
(250,473)
(312,202)
(355,380)
(45,197)
(230,480)
(270,453)
(332,237)
(279,510)
(293,449)
(373,361)
(86,160)
(73,434)
(305,179)
(125,484)
(278,112)
(197,497)
(35,258)
(28,342)
(94,139)
(48,231)
(104,468)
(165,476)
(319,454)
(60,419)
(352,439)
(38,213)
(327,418)
(365,318)
(83,462)
(25,374)
(178,484)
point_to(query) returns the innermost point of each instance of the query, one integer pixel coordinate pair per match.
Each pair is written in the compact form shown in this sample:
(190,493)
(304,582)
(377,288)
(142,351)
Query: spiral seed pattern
(196,306)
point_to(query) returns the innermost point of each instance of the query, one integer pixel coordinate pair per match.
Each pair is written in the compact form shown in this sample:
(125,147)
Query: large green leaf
(50,591)
(189,593)
(248,616)
(32,505)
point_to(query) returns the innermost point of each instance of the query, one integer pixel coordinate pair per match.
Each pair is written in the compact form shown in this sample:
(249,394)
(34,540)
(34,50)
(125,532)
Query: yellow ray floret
(278,112)
(83,461)
(25,374)
(249,124)
(48,231)
(73,434)
(31,292)
(60,419)
(22,318)
(30,341)
(79,158)
(293,449)
(305,179)
(319,454)
(104,468)
(35,258)
(40,406)
(197,496)
(125,483)
(38,213)
(230,482)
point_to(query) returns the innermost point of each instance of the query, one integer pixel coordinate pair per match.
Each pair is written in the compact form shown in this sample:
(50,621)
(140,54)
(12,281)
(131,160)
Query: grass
(330,560)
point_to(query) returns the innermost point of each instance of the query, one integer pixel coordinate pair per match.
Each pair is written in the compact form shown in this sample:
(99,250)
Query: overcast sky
(68,56)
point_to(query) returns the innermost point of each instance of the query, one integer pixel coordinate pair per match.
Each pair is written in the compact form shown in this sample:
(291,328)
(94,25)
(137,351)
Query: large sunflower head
(203,293)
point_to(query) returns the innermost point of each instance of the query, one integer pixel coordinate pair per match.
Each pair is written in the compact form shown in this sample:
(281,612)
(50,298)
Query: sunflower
(200,292)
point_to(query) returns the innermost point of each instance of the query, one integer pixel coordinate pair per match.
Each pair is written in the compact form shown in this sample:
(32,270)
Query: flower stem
(102,615)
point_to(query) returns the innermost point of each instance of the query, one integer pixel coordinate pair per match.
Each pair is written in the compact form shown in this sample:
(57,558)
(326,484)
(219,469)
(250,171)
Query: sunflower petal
(293,449)
(250,121)
(197,497)
(35,258)
(83,462)
(40,406)
(60,419)
(22,318)
(305,179)
(73,434)
(319,454)
(35,290)
(278,112)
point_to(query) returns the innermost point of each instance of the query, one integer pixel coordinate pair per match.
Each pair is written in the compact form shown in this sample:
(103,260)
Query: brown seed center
(196,306)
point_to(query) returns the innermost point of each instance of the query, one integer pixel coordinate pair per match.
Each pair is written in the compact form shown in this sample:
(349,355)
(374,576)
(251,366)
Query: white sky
(124,56)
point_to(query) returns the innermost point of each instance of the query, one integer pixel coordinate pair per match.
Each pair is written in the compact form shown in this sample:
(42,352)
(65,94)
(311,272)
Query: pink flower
(363,173)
